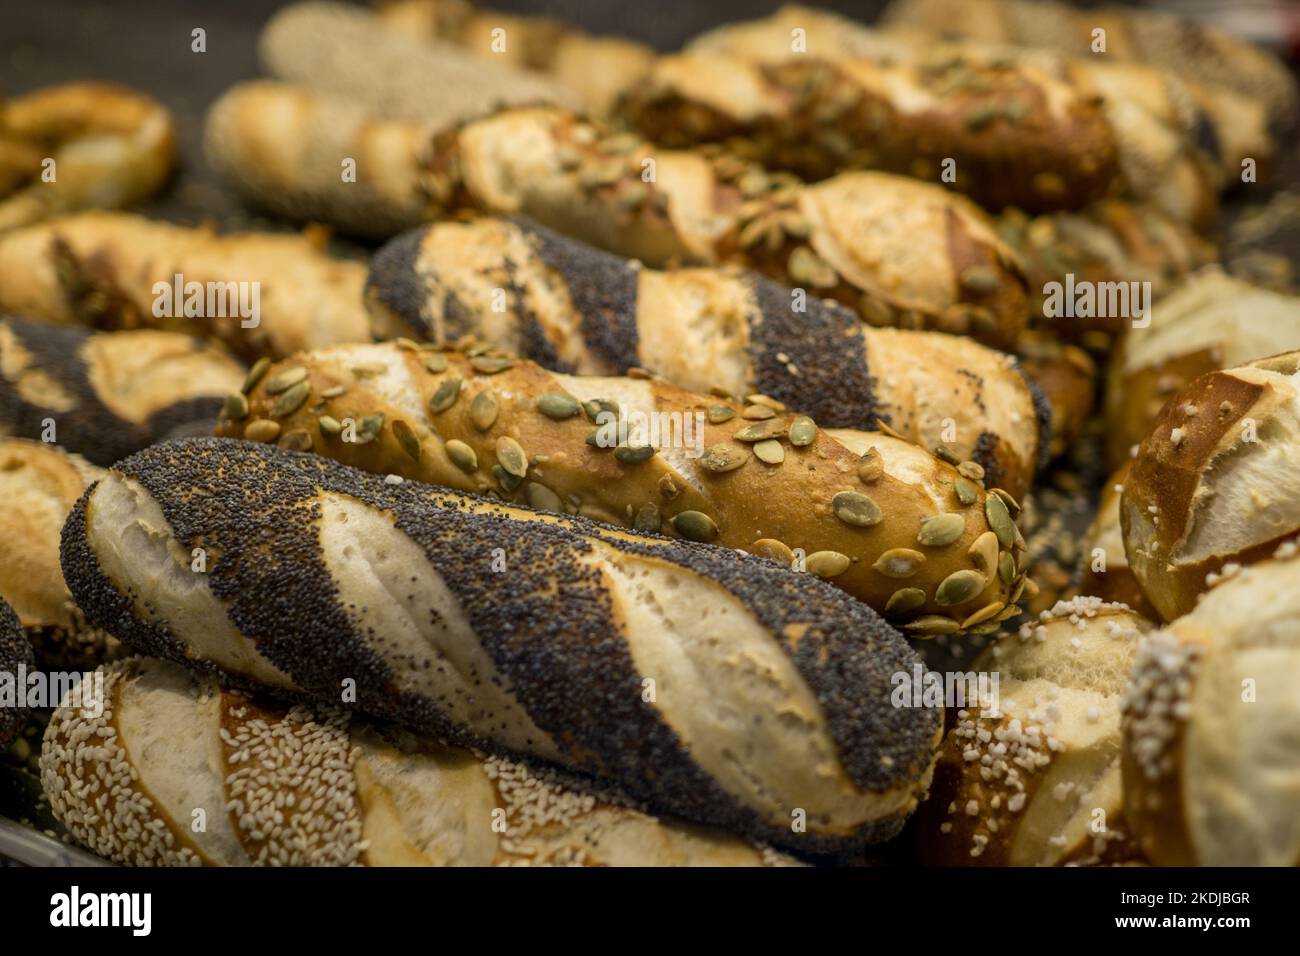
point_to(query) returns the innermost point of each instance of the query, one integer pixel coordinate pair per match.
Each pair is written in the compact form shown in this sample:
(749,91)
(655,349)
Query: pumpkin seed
(959,587)
(369,427)
(979,279)
(945,453)
(291,400)
(771,452)
(967,492)
(941,530)
(462,456)
(803,431)
(804,265)
(717,414)
(511,456)
(827,564)
(261,429)
(757,413)
(991,627)
(771,548)
(543,498)
(904,601)
(931,625)
(758,398)
(282,381)
(722,457)
(695,526)
(899,562)
(1006,567)
(509,483)
(972,470)
(1010,612)
(483,410)
(329,427)
(1013,506)
(435,362)
(334,391)
(558,406)
(255,374)
(987,612)
(761,431)
(296,440)
(647,518)
(236,407)
(870,466)
(857,509)
(593,408)
(1000,520)
(444,395)
(490,364)
(984,552)
(634,454)
(603,436)
(407,438)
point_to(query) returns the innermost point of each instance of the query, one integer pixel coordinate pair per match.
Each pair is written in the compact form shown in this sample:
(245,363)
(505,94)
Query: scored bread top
(319,574)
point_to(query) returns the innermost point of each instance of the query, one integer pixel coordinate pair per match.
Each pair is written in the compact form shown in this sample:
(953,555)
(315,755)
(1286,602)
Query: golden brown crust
(1104,568)
(1067,377)
(868,541)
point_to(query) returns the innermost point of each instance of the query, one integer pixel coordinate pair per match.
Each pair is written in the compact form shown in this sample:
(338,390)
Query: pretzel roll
(1216,483)
(1035,779)
(1211,753)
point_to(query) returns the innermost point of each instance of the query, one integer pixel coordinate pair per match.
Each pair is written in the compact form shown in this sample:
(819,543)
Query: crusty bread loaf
(1215,483)
(1211,322)
(1211,755)
(80,146)
(714,686)
(104,395)
(902,252)
(101,269)
(39,485)
(890,523)
(1196,50)
(1034,780)
(343,50)
(1066,376)
(1017,135)
(1104,571)
(15,651)
(519,287)
(280,786)
(597,68)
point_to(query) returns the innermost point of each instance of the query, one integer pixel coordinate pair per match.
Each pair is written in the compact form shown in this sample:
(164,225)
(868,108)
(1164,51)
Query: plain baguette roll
(39,485)
(1212,321)
(104,395)
(1104,570)
(899,251)
(572,308)
(1211,755)
(1214,484)
(15,653)
(888,522)
(100,269)
(1034,780)
(129,782)
(710,685)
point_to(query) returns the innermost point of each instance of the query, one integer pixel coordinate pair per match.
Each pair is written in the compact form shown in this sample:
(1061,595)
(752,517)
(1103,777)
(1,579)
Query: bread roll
(1103,565)
(1211,322)
(101,269)
(1215,483)
(1211,752)
(717,687)
(915,536)
(106,394)
(569,307)
(291,786)
(1067,378)
(39,485)
(1035,780)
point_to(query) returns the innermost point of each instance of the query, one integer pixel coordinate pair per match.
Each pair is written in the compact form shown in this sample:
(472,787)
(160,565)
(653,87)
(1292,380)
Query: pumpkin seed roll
(716,686)
(913,535)
(900,252)
(572,308)
(104,395)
